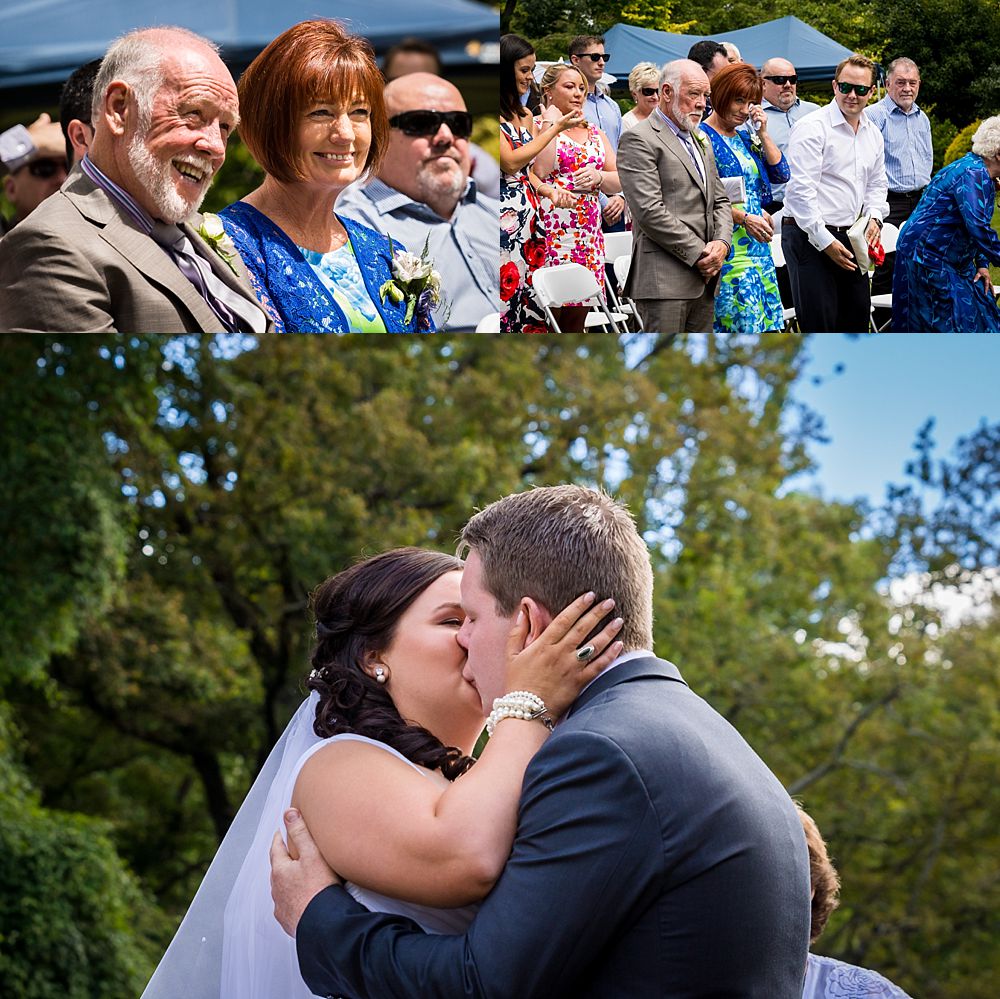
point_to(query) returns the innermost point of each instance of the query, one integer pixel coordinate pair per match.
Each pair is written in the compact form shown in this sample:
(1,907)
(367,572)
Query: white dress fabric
(229,945)
(827,978)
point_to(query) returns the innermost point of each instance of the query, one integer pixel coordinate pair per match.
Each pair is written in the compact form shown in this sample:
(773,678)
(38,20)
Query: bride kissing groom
(649,851)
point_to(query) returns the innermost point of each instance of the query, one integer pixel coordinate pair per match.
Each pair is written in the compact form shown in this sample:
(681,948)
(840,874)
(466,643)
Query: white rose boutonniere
(755,144)
(415,281)
(700,137)
(212,231)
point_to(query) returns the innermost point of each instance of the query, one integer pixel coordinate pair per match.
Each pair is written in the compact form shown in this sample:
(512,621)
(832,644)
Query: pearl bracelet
(521,704)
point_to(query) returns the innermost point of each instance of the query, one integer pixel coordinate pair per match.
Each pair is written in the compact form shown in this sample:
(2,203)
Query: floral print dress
(573,235)
(522,245)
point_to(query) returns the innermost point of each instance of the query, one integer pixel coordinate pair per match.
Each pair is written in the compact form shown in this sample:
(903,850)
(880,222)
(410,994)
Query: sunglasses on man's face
(649,91)
(45,169)
(859,88)
(427,123)
(782,80)
(595,56)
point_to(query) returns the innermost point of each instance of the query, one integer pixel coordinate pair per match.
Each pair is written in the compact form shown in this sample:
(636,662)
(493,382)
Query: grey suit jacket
(673,215)
(79,264)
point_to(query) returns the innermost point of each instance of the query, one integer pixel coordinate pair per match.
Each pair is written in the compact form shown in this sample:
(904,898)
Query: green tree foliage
(961,143)
(237,475)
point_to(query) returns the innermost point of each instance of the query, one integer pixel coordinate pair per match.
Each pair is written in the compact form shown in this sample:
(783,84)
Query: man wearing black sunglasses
(423,193)
(591,56)
(837,160)
(35,172)
(783,107)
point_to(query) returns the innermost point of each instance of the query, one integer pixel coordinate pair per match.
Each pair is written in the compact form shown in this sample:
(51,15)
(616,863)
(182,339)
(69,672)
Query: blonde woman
(644,85)
(582,161)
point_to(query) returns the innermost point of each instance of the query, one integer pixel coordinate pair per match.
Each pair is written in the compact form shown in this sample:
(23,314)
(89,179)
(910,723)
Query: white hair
(901,63)
(986,141)
(673,72)
(731,50)
(137,59)
(641,74)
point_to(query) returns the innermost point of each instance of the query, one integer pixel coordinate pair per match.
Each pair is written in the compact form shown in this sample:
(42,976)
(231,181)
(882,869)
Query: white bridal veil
(235,897)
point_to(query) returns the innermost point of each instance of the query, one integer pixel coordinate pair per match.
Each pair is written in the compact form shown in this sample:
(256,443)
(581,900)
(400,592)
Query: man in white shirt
(837,161)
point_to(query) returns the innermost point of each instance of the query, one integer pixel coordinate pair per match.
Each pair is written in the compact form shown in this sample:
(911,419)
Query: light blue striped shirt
(465,248)
(909,156)
(603,111)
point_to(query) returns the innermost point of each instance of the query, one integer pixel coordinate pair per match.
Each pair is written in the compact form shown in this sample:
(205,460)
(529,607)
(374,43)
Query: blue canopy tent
(814,56)
(43,41)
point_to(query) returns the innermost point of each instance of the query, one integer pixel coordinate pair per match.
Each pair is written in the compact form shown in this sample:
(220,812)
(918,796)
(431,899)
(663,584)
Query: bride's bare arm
(390,828)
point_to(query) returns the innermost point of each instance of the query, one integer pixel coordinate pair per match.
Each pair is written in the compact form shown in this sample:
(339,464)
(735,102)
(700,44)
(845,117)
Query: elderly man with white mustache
(121,247)
(423,194)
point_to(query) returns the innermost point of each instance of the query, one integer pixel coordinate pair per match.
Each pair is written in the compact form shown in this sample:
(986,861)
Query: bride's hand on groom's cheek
(566,655)
(298,872)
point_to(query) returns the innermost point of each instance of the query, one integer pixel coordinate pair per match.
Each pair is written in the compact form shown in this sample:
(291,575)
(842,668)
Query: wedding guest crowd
(121,246)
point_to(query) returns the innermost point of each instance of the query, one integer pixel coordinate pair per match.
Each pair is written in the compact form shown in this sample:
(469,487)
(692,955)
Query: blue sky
(890,384)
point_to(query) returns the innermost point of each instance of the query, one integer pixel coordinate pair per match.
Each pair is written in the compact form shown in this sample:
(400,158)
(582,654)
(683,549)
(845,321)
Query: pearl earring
(380,674)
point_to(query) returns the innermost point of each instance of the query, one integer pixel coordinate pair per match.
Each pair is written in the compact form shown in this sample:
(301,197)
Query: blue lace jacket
(729,166)
(289,288)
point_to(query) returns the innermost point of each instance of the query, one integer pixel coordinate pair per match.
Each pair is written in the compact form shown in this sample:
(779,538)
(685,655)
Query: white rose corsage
(415,281)
(213,232)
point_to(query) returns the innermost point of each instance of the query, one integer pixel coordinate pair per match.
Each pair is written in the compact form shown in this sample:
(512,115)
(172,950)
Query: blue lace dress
(941,246)
(748,300)
(290,289)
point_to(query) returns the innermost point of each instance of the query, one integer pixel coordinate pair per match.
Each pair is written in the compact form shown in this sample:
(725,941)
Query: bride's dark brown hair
(357,612)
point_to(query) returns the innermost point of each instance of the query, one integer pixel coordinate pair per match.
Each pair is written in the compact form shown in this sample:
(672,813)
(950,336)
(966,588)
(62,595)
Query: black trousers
(828,299)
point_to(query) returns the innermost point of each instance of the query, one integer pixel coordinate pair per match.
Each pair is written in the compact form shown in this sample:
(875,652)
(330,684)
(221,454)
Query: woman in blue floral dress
(941,281)
(747,300)
(313,116)
(522,234)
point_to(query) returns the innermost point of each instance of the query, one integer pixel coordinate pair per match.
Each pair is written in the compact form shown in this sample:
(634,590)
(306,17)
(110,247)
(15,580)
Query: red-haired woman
(747,300)
(313,116)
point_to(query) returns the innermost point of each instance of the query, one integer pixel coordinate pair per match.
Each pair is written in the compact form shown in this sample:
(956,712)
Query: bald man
(423,193)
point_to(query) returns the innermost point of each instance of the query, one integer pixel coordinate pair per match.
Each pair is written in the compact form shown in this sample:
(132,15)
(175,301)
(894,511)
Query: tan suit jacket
(79,264)
(673,214)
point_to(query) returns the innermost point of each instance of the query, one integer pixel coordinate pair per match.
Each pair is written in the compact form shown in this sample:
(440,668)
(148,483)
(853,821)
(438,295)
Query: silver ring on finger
(585,653)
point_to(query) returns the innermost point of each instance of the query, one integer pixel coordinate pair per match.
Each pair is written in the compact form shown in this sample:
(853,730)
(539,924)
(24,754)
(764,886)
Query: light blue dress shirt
(603,111)
(909,157)
(779,124)
(465,248)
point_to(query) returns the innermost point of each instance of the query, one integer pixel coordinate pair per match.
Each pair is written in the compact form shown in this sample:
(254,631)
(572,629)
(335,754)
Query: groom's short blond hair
(553,543)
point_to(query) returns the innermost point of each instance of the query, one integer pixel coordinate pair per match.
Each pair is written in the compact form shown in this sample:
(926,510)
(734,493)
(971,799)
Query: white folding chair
(890,236)
(561,283)
(616,244)
(490,323)
(778,255)
(627,305)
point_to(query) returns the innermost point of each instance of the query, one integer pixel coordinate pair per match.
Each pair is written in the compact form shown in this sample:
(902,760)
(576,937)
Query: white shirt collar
(623,658)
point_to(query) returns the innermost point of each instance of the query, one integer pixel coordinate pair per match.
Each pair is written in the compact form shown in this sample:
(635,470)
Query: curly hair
(823,876)
(357,612)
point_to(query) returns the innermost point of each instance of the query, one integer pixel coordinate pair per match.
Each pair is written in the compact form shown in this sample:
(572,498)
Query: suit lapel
(634,669)
(676,147)
(118,230)
(153,262)
(238,281)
